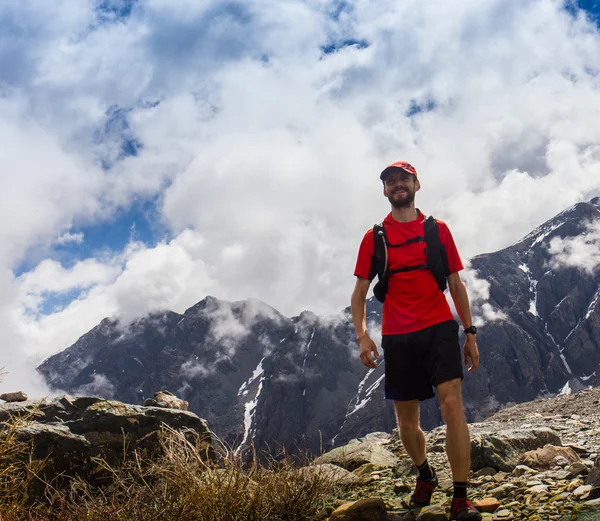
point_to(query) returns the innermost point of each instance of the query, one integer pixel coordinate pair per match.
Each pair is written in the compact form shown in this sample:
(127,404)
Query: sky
(156,152)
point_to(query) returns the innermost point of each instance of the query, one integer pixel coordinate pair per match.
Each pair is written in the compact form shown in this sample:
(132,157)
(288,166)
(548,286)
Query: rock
(594,475)
(354,455)
(521,470)
(577,468)
(365,470)
(369,509)
(72,431)
(502,491)
(16,396)
(401,488)
(545,457)
(582,490)
(488,504)
(501,450)
(436,512)
(167,400)
(588,511)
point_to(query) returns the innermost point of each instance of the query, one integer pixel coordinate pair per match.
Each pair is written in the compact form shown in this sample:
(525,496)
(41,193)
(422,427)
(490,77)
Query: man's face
(400,188)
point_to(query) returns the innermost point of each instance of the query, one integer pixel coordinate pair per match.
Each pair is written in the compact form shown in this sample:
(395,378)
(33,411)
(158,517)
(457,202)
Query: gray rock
(72,431)
(16,396)
(594,475)
(354,455)
(501,450)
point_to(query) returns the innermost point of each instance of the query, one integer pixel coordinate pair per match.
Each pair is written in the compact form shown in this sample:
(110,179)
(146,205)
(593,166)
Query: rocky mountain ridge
(259,377)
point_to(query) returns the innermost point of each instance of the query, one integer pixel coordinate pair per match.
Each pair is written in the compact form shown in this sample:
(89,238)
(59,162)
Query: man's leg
(458,448)
(413,438)
(458,442)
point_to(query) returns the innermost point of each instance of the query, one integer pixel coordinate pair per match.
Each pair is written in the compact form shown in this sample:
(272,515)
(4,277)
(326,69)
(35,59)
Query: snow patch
(584,378)
(566,389)
(566,364)
(250,406)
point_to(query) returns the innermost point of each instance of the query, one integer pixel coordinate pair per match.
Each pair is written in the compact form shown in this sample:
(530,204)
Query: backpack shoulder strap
(379,259)
(437,260)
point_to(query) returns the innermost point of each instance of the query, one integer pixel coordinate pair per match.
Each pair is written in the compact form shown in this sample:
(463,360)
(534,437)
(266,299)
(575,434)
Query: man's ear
(417,186)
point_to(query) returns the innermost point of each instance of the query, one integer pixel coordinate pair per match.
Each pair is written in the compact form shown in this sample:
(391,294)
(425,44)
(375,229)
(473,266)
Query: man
(420,336)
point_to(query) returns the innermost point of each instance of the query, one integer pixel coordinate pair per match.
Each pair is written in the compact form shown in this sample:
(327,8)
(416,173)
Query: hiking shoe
(463,510)
(423,492)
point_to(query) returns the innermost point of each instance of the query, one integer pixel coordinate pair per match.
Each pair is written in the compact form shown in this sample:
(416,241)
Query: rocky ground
(531,462)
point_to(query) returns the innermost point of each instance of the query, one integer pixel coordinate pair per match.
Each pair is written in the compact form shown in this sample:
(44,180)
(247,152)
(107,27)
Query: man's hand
(368,349)
(471,352)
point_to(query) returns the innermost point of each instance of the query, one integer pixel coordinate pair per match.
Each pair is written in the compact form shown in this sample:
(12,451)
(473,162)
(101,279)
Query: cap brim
(391,169)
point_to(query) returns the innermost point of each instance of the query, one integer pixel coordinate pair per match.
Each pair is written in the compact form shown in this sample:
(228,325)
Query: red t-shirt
(414,300)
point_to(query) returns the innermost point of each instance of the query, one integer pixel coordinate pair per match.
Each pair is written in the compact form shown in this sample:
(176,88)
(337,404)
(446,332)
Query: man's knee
(450,398)
(407,414)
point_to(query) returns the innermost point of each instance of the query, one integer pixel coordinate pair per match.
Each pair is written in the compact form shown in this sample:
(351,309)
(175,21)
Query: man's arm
(358,305)
(458,291)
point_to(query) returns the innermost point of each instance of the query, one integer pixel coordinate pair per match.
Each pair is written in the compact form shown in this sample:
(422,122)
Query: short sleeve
(454,262)
(365,254)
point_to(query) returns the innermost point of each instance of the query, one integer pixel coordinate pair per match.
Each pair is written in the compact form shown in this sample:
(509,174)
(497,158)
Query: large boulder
(502,450)
(547,457)
(72,431)
(357,453)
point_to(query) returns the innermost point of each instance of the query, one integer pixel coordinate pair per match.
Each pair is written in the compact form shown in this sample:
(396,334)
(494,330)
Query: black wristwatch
(472,330)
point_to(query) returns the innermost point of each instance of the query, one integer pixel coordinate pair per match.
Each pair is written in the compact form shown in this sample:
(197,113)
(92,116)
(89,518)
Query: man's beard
(405,202)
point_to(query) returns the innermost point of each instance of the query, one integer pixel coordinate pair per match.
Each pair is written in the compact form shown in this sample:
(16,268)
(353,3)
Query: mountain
(277,382)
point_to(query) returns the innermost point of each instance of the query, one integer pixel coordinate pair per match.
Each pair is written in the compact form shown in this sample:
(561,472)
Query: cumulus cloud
(263,150)
(479,294)
(581,252)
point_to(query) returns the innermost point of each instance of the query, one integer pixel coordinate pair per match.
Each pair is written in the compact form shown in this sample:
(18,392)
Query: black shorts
(415,362)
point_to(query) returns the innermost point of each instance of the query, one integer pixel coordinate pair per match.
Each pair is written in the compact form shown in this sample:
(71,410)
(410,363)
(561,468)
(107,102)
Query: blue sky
(156,152)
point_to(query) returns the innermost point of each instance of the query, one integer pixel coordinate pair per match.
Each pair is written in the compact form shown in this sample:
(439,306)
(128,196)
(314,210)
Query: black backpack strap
(437,259)
(379,262)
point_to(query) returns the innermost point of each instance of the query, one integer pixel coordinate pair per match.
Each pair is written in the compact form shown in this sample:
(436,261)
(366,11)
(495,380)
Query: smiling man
(415,258)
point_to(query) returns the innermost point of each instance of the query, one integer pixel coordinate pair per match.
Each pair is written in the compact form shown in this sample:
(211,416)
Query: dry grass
(178,486)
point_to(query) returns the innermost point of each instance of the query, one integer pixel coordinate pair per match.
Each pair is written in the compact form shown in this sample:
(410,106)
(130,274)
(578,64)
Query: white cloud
(581,252)
(479,293)
(265,152)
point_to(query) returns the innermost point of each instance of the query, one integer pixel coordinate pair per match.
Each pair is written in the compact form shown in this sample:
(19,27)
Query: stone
(369,509)
(487,504)
(501,450)
(588,511)
(503,490)
(16,396)
(545,457)
(167,400)
(435,512)
(521,470)
(71,432)
(401,488)
(577,469)
(594,475)
(355,455)
(365,470)
(582,490)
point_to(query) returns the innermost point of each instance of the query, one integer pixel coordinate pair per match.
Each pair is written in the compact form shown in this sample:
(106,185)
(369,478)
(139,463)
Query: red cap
(402,165)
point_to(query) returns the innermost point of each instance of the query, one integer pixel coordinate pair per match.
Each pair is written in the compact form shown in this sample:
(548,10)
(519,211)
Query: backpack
(437,260)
